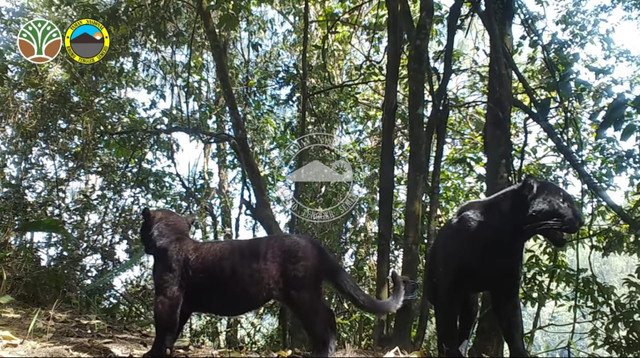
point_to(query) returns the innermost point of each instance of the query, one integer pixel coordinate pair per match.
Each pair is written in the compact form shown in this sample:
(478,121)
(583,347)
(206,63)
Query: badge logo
(87,41)
(39,41)
(327,176)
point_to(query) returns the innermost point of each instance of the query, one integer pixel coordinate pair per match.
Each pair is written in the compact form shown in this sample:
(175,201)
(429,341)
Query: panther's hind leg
(185,314)
(317,319)
(468,313)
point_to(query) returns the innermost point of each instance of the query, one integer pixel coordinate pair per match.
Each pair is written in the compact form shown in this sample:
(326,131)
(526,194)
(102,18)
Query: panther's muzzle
(556,230)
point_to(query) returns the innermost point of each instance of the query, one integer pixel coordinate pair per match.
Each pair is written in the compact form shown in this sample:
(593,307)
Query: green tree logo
(39,41)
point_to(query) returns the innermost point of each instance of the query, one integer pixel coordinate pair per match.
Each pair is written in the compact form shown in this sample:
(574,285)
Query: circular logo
(319,164)
(87,41)
(39,41)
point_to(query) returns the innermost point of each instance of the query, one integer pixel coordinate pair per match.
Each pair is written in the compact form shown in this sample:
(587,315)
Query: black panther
(481,249)
(230,278)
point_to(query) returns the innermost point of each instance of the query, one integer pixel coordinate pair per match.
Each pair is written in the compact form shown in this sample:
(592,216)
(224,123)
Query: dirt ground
(30,332)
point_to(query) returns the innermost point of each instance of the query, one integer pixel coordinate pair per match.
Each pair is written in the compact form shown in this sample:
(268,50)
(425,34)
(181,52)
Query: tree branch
(586,178)
(343,85)
(187,188)
(540,116)
(406,20)
(264,214)
(216,137)
(452,26)
(212,137)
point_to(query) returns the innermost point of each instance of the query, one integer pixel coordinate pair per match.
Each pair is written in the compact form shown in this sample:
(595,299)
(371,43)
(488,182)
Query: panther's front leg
(167,322)
(446,310)
(468,313)
(506,305)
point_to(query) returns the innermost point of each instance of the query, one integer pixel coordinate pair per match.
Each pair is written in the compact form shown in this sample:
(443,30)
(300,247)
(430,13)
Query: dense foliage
(83,148)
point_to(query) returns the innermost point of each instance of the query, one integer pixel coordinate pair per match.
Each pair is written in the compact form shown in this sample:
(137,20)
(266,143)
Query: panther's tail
(345,284)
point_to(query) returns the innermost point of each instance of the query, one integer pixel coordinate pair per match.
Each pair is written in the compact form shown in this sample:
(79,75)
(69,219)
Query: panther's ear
(529,186)
(190,220)
(146,214)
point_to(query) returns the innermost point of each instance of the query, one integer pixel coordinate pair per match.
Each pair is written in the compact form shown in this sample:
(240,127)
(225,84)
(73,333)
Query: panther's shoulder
(469,215)
(475,211)
(476,205)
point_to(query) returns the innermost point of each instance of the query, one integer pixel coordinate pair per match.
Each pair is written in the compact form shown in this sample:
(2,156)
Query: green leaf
(53,226)
(543,108)
(613,115)
(583,83)
(33,323)
(628,131)
(5,299)
(229,21)
(636,103)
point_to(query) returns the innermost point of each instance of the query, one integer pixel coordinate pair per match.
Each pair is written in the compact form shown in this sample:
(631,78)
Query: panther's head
(159,227)
(551,211)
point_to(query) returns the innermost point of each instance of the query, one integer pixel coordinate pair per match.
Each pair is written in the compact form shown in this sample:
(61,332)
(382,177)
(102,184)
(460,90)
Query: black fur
(480,249)
(230,278)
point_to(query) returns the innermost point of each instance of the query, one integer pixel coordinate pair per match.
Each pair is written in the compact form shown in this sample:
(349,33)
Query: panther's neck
(507,211)
(507,203)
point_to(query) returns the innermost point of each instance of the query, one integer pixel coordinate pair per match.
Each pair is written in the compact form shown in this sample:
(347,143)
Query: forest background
(434,102)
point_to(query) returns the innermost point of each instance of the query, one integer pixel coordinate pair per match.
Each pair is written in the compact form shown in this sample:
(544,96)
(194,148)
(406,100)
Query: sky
(88,29)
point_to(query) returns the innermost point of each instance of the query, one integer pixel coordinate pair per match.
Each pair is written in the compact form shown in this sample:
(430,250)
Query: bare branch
(190,193)
(264,213)
(343,85)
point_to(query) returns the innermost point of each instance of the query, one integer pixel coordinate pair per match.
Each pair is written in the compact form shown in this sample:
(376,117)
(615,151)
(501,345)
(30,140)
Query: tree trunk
(387,164)
(497,146)
(231,332)
(497,130)
(223,184)
(434,204)
(437,123)
(417,65)
(262,211)
(289,322)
